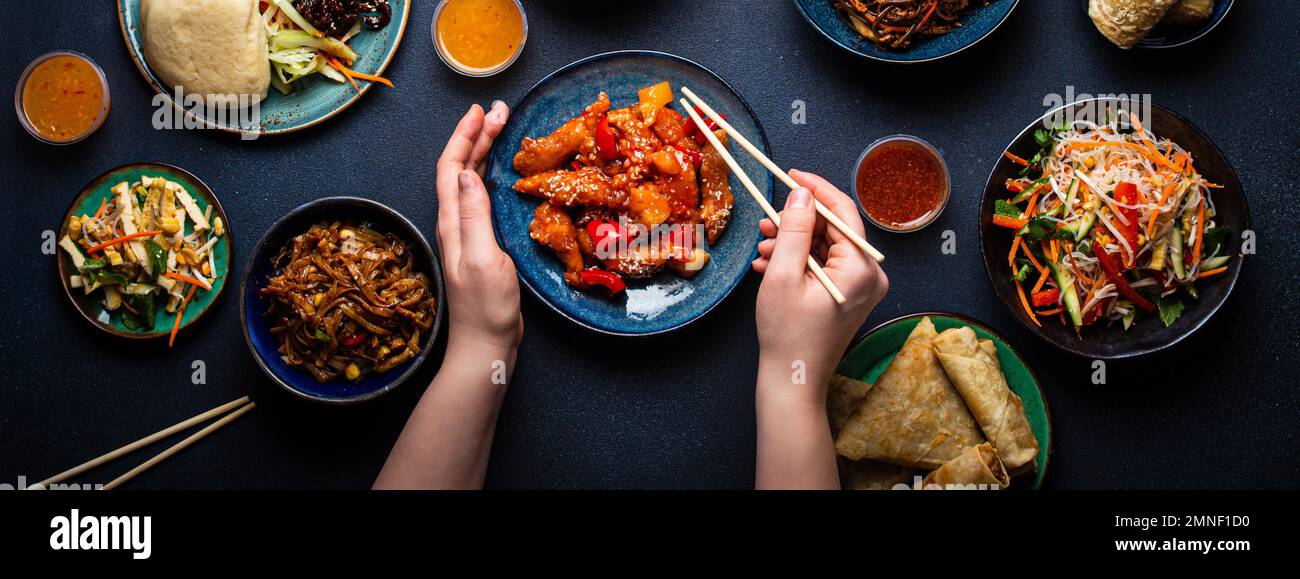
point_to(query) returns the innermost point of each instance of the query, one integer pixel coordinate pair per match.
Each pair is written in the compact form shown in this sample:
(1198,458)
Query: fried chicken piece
(682,191)
(669,126)
(553,228)
(642,259)
(551,152)
(715,194)
(587,186)
(635,141)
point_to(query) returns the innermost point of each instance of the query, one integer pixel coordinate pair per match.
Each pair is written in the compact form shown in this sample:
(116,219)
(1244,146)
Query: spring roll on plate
(978,377)
(1127,22)
(977,468)
(1190,13)
(842,398)
(912,416)
(872,475)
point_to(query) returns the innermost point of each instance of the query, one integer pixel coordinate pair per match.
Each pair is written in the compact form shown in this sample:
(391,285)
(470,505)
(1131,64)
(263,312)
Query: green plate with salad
(144,251)
(868,357)
(308,76)
(1113,228)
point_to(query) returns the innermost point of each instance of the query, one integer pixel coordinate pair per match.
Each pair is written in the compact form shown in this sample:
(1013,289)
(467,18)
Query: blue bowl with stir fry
(905,31)
(1113,228)
(341,300)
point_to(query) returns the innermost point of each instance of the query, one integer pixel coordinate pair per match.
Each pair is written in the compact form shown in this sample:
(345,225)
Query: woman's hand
(448,437)
(482,288)
(798,321)
(802,332)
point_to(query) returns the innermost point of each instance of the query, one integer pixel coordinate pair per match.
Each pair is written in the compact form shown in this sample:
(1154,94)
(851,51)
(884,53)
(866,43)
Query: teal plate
(87,203)
(868,357)
(313,100)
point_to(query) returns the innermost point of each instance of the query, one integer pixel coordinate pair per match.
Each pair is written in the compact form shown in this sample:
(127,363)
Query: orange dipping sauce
(64,98)
(479,37)
(902,183)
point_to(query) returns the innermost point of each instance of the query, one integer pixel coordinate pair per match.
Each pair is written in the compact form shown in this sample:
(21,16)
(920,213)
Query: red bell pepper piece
(354,339)
(1046,297)
(693,131)
(575,165)
(695,156)
(1116,277)
(605,232)
(1127,194)
(609,280)
(606,144)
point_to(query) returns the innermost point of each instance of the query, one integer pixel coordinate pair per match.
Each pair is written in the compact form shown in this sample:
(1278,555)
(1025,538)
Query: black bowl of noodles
(342,300)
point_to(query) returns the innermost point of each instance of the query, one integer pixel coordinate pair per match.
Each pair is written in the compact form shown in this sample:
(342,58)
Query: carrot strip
(1042,280)
(1212,272)
(187,279)
(102,204)
(1032,259)
(1025,302)
(363,76)
(110,243)
(180,313)
(347,73)
(1052,311)
(1015,159)
(1011,257)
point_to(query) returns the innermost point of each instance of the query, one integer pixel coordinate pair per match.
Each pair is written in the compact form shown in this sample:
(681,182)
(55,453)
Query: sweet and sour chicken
(626,192)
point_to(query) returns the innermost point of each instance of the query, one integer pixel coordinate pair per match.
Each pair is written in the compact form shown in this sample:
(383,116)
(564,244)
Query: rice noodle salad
(1109,222)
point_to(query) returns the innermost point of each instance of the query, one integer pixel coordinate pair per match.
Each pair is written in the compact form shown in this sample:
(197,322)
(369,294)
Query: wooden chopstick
(161,434)
(835,292)
(191,439)
(749,147)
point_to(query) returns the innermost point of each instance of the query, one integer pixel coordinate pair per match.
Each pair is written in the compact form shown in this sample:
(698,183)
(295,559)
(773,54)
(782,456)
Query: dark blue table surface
(1220,410)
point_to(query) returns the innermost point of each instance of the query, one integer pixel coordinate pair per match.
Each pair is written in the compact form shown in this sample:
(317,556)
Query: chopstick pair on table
(240,407)
(772,214)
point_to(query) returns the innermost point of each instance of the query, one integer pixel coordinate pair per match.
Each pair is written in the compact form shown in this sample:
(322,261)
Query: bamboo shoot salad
(148,249)
(308,37)
(1109,223)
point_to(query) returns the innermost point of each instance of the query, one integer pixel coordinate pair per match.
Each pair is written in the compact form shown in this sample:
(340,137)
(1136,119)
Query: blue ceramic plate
(313,100)
(1164,36)
(650,306)
(252,308)
(976,25)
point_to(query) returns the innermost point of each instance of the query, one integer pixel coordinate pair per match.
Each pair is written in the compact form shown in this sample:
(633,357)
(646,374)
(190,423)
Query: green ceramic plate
(870,355)
(315,99)
(87,203)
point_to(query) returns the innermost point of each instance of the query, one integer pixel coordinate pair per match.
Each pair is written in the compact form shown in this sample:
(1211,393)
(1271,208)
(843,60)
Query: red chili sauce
(901,184)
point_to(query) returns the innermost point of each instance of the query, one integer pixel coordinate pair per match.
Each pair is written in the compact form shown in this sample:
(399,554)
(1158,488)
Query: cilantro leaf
(1004,207)
(1171,308)
(1042,228)
(1023,273)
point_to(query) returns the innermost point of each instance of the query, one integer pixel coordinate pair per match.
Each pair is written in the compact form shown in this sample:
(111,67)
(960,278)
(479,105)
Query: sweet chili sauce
(64,97)
(479,35)
(902,184)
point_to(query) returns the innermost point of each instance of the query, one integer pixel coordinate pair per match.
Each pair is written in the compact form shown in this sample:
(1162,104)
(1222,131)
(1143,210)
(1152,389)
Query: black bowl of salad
(1113,228)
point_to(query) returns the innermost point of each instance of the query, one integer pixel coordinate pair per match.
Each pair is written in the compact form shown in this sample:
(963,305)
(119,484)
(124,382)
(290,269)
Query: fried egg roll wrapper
(979,465)
(979,379)
(1190,13)
(842,398)
(872,475)
(913,416)
(1126,22)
